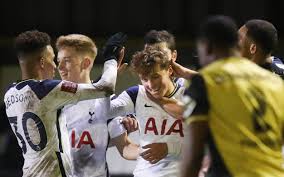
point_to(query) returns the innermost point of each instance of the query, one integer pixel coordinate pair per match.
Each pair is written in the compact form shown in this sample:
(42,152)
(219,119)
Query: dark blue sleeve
(277,66)
(198,92)
(40,88)
(133,92)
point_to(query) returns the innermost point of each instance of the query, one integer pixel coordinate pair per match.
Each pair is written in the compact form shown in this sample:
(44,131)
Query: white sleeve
(122,105)
(68,92)
(115,128)
(108,79)
(174,148)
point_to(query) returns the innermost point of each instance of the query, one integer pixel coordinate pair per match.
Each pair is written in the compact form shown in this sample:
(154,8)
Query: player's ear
(252,48)
(86,63)
(170,70)
(42,62)
(174,55)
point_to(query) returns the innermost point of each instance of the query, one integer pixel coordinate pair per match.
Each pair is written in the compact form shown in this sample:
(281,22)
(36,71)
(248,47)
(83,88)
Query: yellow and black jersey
(244,107)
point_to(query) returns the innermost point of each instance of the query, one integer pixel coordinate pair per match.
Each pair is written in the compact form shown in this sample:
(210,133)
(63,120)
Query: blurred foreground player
(236,109)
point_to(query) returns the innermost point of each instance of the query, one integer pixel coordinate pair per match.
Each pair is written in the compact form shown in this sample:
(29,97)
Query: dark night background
(100,19)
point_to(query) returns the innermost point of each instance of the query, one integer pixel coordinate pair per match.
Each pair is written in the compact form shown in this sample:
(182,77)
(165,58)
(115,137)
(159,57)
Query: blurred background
(99,20)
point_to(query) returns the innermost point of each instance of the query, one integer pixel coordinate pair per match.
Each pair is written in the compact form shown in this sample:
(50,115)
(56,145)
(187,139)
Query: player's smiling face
(158,83)
(69,64)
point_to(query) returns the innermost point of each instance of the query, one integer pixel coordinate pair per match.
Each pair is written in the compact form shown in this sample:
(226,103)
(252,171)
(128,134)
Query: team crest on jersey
(69,87)
(92,115)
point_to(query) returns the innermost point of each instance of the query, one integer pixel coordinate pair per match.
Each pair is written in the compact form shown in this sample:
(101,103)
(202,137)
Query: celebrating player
(32,104)
(87,121)
(236,109)
(257,40)
(161,135)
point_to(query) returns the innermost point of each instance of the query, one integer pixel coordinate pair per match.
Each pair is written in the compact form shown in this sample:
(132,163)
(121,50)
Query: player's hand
(205,166)
(130,124)
(173,107)
(180,71)
(121,67)
(155,152)
(113,46)
(161,101)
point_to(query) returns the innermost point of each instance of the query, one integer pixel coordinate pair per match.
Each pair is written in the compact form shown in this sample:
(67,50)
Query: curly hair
(31,41)
(144,62)
(79,42)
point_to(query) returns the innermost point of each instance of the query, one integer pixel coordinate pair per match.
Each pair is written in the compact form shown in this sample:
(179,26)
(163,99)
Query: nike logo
(147,106)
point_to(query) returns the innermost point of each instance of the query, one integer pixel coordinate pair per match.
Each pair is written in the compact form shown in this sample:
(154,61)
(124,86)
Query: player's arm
(68,92)
(155,152)
(194,148)
(113,54)
(104,87)
(173,107)
(130,123)
(65,92)
(124,103)
(119,138)
(180,71)
(127,149)
(196,116)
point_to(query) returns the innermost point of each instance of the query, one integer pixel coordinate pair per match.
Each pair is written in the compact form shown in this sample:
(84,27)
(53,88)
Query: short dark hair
(220,31)
(263,33)
(154,36)
(31,41)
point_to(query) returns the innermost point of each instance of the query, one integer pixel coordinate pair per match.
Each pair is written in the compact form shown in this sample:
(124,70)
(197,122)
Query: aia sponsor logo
(85,139)
(175,127)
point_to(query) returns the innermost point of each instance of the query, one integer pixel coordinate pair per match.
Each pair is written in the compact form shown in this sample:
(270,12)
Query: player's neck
(261,59)
(220,53)
(171,89)
(85,79)
(30,73)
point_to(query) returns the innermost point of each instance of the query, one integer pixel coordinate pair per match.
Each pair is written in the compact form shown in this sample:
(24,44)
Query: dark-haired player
(257,40)
(236,109)
(166,41)
(32,104)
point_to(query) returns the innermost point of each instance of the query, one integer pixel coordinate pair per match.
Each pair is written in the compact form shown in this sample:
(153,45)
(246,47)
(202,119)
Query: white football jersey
(89,131)
(32,109)
(155,126)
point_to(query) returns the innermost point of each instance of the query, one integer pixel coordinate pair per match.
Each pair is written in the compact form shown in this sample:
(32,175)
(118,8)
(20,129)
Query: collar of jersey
(174,91)
(21,81)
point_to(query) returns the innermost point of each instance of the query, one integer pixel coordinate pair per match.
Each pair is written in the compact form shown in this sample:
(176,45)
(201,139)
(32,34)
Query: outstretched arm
(180,71)
(173,107)
(194,148)
(113,52)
